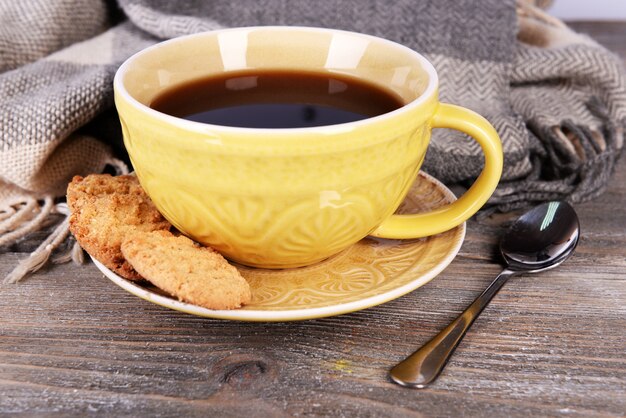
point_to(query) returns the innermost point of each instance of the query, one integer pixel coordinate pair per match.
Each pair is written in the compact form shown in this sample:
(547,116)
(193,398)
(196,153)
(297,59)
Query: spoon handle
(424,366)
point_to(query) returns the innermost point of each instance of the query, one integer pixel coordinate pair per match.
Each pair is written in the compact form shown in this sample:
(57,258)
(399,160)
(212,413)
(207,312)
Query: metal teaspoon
(539,240)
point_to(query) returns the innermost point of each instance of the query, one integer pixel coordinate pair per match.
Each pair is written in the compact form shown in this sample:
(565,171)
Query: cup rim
(429,91)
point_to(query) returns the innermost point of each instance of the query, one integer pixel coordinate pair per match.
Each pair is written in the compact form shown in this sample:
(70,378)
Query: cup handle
(453,214)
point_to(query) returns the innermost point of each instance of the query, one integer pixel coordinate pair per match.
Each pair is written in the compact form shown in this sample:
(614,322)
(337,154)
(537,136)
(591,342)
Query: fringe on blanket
(28,215)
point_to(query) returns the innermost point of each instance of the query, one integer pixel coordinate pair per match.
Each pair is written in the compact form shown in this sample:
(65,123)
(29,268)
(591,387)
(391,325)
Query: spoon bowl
(539,240)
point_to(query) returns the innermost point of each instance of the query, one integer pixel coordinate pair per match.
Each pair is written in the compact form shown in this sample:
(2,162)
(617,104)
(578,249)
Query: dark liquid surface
(276,99)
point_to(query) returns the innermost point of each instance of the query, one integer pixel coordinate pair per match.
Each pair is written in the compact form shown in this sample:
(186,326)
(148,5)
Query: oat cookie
(103,210)
(181,267)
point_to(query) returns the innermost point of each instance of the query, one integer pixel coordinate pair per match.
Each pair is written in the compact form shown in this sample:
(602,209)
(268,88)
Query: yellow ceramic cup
(279,198)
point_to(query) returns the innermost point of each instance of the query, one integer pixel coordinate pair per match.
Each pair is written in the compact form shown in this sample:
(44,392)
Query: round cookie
(181,267)
(104,209)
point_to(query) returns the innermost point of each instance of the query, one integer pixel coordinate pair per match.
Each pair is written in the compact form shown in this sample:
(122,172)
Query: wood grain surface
(73,343)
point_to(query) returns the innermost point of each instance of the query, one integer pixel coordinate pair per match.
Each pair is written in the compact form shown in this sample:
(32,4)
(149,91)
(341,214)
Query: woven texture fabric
(33,29)
(557,99)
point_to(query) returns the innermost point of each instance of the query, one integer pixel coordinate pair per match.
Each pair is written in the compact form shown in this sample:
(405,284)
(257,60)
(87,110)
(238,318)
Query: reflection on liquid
(242,83)
(336,86)
(309,114)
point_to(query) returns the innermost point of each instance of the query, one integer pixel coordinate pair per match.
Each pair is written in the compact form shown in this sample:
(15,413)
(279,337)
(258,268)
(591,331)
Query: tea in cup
(282,146)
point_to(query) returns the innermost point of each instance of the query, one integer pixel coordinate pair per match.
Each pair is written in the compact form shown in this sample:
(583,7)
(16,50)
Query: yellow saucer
(371,272)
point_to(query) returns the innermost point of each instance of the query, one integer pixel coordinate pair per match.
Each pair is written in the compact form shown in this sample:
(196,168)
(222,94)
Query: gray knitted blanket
(557,99)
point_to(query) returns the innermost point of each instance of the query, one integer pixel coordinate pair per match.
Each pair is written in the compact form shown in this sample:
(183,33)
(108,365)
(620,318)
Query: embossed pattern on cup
(317,210)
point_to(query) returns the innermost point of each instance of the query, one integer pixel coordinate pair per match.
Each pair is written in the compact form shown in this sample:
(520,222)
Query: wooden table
(72,342)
